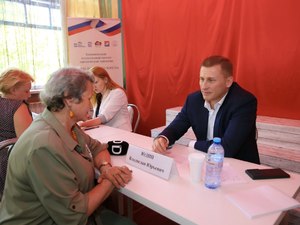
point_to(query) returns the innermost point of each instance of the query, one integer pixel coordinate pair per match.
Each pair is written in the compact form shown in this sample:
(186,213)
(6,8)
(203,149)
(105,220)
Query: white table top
(192,203)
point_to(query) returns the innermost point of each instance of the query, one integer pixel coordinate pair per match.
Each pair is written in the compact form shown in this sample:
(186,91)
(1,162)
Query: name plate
(151,162)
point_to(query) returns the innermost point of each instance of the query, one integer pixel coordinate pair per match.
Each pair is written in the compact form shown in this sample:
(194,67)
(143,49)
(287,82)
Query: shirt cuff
(163,136)
(192,144)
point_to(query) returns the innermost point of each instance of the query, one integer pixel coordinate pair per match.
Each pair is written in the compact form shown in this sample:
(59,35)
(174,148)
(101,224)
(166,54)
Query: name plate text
(150,162)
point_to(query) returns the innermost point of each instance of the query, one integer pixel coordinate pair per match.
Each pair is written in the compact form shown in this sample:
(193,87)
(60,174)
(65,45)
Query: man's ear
(229,81)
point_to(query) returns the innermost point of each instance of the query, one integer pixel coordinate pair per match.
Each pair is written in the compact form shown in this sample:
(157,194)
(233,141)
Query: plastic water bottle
(214,164)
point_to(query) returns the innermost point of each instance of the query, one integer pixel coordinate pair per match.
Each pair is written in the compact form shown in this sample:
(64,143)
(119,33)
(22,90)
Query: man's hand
(160,145)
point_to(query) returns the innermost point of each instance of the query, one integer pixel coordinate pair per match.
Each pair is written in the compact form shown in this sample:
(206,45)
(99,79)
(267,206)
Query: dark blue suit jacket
(235,123)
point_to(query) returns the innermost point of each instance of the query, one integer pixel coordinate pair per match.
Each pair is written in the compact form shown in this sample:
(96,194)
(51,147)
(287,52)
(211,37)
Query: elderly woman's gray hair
(62,84)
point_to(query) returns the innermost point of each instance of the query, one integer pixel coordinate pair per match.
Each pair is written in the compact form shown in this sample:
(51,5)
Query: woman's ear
(68,102)
(13,90)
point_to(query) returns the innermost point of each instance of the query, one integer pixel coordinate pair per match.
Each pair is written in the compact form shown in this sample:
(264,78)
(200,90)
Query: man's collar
(219,103)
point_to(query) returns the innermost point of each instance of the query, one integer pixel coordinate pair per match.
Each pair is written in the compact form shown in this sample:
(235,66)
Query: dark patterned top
(8,107)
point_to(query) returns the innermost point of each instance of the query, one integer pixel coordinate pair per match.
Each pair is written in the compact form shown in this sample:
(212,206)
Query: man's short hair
(225,64)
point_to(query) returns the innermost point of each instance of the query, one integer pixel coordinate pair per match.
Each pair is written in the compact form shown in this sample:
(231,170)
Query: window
(31,37)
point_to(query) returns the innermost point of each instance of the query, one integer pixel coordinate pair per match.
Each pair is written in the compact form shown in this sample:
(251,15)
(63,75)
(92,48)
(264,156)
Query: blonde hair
(13,78)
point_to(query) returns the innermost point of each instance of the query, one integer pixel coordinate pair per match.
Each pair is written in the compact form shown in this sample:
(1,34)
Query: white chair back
(134,113)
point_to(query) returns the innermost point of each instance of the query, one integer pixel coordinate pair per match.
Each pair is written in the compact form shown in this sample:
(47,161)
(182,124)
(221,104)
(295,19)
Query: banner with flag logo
(96,42)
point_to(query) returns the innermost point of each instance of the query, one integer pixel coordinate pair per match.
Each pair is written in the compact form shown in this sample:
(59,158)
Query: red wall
(165,42)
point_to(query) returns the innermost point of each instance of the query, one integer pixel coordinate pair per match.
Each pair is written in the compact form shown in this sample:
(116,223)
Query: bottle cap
(217,140)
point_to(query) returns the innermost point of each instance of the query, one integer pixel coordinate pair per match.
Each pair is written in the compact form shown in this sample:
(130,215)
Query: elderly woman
(15,115)
(110,103)
(50,176)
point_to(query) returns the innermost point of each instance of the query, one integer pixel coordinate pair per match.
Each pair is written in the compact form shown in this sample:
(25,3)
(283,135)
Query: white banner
(96,42)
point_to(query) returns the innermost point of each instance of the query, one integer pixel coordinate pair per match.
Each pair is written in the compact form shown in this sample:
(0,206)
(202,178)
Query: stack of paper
(262,200)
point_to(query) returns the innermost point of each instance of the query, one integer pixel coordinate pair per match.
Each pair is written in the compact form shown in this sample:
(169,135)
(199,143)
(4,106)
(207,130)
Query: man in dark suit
(221,109)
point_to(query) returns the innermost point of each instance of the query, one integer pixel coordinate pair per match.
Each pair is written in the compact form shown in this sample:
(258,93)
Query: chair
(5,149)
(134,113)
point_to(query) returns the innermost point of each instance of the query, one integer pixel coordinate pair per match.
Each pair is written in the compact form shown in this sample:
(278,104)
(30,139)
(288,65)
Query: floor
(141,215)
(145,216)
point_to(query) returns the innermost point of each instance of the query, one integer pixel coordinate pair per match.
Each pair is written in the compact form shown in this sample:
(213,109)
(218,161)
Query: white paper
(262,200)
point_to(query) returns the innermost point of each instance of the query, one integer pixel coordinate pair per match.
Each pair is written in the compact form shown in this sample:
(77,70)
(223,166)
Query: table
(186,202)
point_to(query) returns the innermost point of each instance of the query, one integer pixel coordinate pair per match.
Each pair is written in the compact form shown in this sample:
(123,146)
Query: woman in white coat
(110,102)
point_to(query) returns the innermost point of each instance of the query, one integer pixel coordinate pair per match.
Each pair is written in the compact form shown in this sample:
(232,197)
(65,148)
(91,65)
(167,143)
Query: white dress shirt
(212,113)
(113,110)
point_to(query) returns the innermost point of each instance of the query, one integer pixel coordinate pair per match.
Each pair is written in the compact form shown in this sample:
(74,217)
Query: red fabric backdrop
(165,42)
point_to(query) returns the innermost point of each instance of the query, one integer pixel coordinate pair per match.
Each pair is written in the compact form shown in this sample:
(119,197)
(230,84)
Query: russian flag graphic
(109,27)
(84,26)
(113,30)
